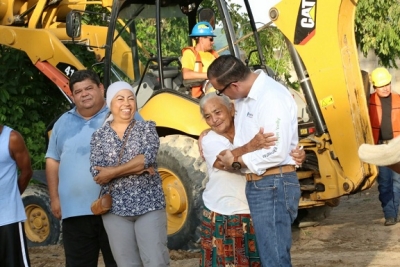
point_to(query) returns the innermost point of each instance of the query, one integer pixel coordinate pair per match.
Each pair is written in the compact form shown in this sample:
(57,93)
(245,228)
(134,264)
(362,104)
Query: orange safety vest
(375,115)
(198,67)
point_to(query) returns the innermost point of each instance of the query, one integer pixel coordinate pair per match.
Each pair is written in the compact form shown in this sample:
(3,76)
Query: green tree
(174,32)
(270,37)
(272,42)
(28,101)
(378,29)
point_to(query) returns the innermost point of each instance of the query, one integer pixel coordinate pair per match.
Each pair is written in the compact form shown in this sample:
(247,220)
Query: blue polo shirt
(70,146)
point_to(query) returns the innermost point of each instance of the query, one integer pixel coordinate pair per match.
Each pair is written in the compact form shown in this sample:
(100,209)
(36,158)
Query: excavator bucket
(322,33)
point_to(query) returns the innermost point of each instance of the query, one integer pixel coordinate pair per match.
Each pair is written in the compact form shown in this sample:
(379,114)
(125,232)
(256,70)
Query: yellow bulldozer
(319,36)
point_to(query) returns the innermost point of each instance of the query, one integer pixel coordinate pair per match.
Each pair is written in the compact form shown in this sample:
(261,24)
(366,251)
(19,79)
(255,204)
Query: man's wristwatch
(236,164)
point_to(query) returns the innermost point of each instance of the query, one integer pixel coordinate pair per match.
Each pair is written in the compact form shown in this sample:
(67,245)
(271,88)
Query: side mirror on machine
(74,23)
(207,14)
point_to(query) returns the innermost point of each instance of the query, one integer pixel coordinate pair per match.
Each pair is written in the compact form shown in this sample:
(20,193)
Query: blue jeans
(389,191)
(273,203)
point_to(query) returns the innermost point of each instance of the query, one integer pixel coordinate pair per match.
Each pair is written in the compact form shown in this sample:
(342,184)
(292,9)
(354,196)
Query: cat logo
(306,20)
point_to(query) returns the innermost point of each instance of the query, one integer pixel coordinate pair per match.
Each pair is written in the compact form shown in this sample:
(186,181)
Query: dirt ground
(353,235)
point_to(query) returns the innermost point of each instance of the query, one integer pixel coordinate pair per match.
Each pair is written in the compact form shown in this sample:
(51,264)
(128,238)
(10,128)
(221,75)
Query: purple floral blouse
(134,194)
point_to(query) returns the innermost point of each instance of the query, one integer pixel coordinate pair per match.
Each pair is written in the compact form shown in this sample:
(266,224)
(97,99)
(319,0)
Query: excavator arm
(322,33)
(38,28)
(49,55)
(59,62)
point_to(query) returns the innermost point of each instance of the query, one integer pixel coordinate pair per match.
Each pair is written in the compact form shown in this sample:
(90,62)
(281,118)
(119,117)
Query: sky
(260,9)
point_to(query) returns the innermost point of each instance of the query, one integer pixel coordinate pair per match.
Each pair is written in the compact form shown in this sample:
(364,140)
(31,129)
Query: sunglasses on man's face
(210,38)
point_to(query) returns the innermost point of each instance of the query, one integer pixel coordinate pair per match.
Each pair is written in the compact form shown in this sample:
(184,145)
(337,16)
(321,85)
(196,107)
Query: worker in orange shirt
(196,59)
(384,112)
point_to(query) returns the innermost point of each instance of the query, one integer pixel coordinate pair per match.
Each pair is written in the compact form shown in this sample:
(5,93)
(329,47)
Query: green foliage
(378,28)
(28,101)
(273,49)
(83,55)
(174,36)
(97,16)
(272,42)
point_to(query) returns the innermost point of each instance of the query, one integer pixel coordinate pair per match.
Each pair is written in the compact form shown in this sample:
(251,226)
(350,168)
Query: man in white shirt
(272,189)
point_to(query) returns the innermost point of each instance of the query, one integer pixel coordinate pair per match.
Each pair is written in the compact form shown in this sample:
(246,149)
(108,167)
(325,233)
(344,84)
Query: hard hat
(380,77)
(202,28)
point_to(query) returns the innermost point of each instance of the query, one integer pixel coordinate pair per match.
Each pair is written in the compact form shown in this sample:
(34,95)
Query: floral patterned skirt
(228,241)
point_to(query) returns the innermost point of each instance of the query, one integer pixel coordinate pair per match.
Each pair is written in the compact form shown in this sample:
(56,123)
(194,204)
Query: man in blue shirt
(71,185)
(14,156)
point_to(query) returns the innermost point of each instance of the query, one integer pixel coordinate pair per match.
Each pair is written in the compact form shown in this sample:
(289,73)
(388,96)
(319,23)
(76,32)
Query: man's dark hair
(82,75)
(226,69)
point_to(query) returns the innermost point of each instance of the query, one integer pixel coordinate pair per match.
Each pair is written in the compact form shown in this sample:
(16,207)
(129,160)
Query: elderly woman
(136,223)
(228,237)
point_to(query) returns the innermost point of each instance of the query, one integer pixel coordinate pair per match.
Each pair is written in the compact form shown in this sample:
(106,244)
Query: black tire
(41,227)
(184,176)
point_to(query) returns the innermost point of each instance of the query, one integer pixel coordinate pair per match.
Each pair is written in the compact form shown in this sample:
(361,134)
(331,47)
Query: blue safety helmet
(201,29)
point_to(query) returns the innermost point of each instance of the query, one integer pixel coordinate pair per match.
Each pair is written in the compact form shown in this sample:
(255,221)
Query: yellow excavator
(320,38)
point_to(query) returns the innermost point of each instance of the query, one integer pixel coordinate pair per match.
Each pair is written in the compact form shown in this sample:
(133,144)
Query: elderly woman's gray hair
(223,98)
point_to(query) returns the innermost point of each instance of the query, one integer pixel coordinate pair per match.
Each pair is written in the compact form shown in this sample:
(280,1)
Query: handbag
(103,203)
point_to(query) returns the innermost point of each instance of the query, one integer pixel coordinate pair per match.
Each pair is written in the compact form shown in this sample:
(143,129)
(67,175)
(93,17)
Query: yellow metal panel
(174,111)
(37,14)
(323,34)
(6,11)
(122,57)
(96,37)
(91,35)
(66,6)
(50,49)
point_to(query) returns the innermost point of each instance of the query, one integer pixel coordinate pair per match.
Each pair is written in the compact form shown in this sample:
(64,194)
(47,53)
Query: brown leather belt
(270,171)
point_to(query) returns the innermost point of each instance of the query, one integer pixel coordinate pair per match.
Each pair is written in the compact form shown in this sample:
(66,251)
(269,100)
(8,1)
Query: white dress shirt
(270,105)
